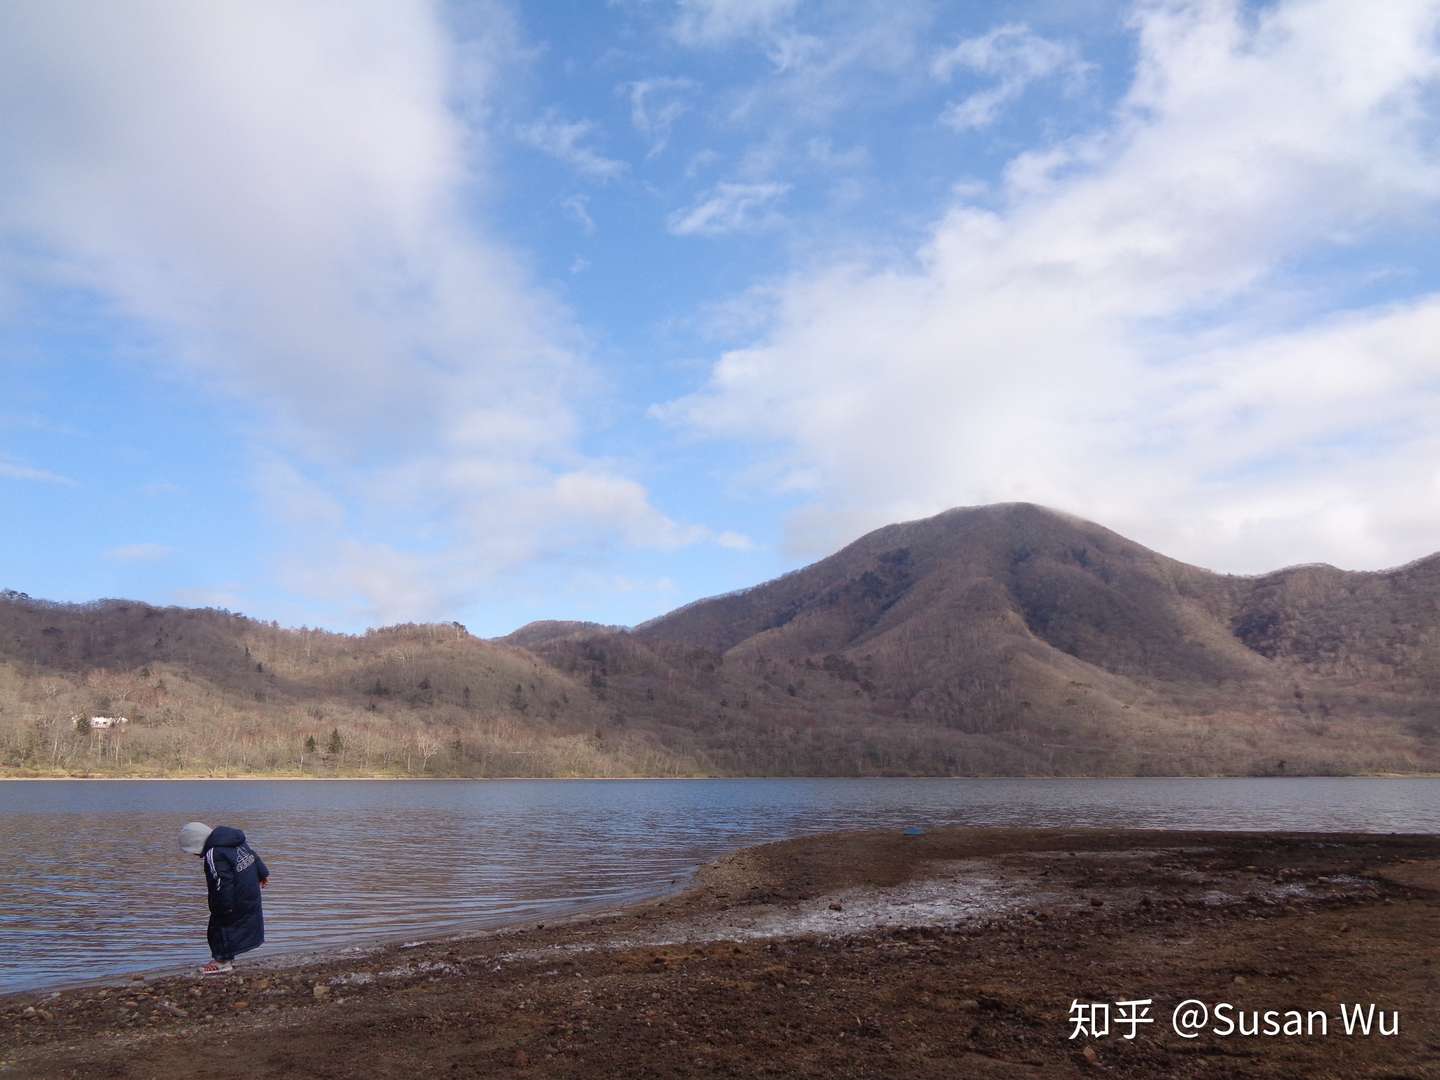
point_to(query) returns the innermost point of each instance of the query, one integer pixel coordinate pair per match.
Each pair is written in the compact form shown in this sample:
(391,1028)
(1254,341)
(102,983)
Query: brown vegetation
(1006,639)
(209,692)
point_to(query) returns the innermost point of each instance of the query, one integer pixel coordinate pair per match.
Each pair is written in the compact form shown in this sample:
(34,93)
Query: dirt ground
(957,953)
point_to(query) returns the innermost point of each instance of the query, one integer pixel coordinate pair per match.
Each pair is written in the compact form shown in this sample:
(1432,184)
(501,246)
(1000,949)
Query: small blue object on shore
(914,830)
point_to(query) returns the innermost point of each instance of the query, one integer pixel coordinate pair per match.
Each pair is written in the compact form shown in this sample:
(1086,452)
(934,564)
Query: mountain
(1013,638)
(211,692)
(998,639)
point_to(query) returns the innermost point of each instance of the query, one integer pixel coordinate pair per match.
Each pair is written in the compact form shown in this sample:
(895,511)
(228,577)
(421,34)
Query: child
(234,876)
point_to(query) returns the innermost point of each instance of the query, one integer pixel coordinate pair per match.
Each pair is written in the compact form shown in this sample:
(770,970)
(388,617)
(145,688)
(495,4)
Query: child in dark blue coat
(234,876)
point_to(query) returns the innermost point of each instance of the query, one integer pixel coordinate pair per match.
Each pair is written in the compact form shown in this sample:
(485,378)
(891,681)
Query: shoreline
(956,952)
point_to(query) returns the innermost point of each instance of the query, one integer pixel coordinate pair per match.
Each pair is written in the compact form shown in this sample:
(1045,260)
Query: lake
(94,884)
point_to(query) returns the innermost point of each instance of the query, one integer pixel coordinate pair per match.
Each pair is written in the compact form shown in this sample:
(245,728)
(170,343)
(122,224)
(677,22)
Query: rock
(1090,1056)
(1095,901)
(837,907)
(320,990)
(241,1004)
(1239,980)
(522,1059)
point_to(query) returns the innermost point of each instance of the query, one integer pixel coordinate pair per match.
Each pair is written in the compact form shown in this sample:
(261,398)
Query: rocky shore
(956,953)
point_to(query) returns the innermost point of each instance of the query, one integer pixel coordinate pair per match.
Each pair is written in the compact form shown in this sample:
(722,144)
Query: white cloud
(578,207)
(228,597)
(655,105)
(593,582)
(283,198)
(565,140)
(289,235)
(293,498)
(710,23)
(508,514)
(825,61)
(377,584)
(730,207)
(140,552)
(14,470)
(1016,58)
(822,153)
(701,161)
(735,541)
(1104,340)
(741,316)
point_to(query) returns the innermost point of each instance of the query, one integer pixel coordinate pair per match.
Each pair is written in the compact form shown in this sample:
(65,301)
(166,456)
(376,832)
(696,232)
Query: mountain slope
(209,691)
(999,639)
(1013,637)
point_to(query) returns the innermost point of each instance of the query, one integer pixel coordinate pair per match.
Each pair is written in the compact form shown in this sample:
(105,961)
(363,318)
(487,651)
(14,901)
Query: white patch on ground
(404,971)
(955,893)
(936,901)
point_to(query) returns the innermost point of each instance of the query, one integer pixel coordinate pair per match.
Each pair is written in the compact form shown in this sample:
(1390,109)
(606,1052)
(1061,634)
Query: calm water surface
(94,884)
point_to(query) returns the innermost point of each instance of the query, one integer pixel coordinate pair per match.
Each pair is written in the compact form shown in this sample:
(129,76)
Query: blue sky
(347,314)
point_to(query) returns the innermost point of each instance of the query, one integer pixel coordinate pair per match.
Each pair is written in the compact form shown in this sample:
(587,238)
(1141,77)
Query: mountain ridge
(1006,638)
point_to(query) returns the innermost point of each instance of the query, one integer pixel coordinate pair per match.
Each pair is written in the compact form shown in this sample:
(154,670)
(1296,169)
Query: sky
(350,313)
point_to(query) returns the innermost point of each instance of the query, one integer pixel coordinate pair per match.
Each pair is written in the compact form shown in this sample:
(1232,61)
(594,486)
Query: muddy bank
(955,953)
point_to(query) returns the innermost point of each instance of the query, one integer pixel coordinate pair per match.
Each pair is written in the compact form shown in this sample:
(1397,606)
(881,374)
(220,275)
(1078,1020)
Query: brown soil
(953,954)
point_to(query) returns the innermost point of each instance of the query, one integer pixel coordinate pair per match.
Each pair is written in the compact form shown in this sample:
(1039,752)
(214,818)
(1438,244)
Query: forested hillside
(207,691)
(1005,639)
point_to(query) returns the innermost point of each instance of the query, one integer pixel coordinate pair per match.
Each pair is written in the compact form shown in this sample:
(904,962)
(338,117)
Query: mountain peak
(1009,638)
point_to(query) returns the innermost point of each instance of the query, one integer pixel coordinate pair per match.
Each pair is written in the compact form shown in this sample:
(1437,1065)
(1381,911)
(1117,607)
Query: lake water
(94,884)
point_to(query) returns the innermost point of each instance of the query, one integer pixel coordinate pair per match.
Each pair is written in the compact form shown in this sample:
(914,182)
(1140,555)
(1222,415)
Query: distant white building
(108,721)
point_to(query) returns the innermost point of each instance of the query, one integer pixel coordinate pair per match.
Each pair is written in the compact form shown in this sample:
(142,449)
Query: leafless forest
(997,640)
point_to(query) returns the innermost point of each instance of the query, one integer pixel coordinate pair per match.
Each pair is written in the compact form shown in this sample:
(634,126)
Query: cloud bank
(281,200)
(1128,327)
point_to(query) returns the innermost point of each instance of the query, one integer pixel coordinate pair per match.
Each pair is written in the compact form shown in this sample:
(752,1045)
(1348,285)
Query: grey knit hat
(193,837)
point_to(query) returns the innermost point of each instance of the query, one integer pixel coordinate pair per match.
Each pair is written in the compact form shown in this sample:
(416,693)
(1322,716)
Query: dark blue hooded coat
(233,873)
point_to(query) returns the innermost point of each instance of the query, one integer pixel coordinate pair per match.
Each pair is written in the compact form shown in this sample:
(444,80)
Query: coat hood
(193,836)
(224,836)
